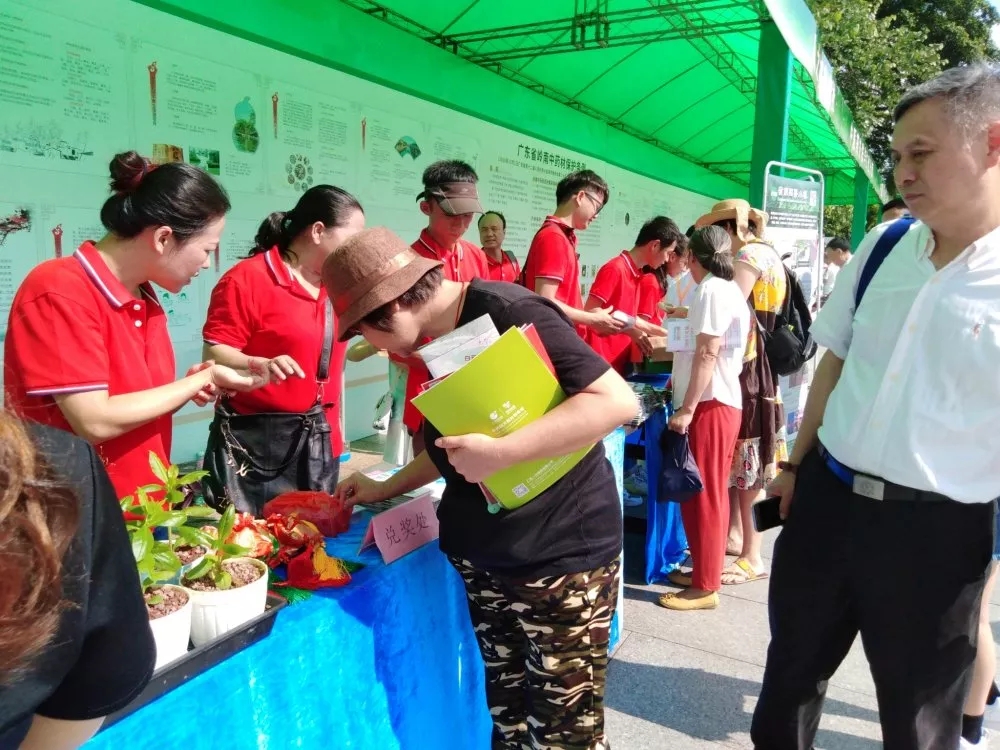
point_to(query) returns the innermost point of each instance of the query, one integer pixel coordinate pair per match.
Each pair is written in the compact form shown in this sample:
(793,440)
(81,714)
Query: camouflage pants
(545,647)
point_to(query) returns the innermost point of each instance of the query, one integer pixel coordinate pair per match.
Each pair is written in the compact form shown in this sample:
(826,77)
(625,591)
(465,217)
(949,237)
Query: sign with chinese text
(403,528)
(795,227)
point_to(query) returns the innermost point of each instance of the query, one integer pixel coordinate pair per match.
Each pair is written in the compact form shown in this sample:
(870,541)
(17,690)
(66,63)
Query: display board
(795,228)
(82,81)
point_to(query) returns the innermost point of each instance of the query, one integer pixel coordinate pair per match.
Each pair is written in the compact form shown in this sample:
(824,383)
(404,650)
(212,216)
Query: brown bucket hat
(455,198)
(372,268)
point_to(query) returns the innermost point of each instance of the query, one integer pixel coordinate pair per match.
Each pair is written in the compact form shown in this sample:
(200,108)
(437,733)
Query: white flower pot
(217,612)
(172,632)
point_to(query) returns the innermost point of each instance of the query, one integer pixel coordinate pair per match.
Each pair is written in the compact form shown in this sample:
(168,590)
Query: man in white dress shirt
(836,256)
(888,494)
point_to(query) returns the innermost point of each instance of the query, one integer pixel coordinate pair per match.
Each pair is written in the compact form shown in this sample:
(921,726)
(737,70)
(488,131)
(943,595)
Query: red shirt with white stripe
(259,308)
(617,285)
(505,269)
(553,256)
(465,263)
(74,327)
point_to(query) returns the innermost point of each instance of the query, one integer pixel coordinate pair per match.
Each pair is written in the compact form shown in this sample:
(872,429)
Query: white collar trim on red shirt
(636,271)
(95,276)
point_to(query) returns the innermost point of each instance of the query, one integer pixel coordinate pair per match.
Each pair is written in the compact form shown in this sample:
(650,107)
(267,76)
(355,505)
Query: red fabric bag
(320,509)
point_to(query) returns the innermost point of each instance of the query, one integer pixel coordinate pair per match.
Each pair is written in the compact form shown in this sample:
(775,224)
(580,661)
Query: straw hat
(741,211)
(372,268)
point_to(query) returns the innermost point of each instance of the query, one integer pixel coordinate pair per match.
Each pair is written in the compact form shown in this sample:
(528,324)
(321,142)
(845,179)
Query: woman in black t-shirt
(541,580)
(75,643)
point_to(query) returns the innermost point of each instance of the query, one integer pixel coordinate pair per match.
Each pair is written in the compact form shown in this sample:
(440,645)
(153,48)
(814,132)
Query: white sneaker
(632,501)
(991,718)
(983,744)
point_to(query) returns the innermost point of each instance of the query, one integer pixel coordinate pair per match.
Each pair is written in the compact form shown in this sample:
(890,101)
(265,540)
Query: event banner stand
(794,207)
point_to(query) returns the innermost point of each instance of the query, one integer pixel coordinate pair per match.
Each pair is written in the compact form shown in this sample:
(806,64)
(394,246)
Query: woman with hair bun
(87,348)
(269,312)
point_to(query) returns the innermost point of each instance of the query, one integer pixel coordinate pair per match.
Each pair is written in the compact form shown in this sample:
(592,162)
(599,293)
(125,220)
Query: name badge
(869,487)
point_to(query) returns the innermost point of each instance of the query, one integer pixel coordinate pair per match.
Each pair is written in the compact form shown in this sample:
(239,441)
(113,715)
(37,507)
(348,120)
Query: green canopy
(668,89)
(680,75)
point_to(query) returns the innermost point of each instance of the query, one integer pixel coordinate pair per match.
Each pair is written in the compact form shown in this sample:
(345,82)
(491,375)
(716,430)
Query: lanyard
(455,261)
(682,293)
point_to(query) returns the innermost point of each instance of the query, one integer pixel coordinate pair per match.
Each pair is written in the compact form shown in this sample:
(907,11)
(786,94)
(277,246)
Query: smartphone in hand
(766,515)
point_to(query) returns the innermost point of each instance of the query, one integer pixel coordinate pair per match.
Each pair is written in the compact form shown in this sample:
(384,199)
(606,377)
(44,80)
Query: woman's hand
(642,341)
(229,381)
(276,369)
(476,457)
(209,392)
(681,420)
(675,313)
(359,489)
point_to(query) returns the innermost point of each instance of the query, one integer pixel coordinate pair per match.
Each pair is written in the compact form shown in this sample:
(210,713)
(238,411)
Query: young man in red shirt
(618,287)
(450,200)
(552,268)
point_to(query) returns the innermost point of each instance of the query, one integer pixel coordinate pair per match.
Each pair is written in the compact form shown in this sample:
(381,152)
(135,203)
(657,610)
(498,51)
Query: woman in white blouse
(708,407)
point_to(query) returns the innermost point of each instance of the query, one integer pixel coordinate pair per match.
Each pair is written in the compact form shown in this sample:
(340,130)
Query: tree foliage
(961,27)
(880,48)
(875,59)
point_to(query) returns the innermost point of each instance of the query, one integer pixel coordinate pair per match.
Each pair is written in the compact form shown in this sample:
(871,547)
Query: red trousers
(712,437)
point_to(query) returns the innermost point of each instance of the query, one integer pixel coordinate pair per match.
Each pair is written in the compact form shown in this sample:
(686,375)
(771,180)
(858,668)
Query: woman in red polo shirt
(270,312)
(87,348)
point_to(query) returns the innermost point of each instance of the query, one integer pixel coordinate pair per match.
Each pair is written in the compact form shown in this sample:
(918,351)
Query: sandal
(741,572)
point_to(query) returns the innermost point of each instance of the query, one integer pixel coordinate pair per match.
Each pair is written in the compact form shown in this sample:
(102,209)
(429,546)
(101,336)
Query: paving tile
(663,695)
(738,630)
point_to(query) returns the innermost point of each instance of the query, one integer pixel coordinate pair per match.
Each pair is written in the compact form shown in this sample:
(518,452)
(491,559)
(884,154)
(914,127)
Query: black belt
(876,488)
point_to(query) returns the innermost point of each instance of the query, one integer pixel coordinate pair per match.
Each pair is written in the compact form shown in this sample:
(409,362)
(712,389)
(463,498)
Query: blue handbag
(679,478)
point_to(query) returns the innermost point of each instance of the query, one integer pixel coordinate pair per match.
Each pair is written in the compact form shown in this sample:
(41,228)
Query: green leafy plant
(145,512)
(219,550)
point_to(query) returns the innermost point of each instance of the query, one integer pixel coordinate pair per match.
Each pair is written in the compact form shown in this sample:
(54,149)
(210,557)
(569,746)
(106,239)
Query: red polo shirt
(650,294)
(553,255)
(617,286)
(505,269)
(259,308)
(74,327)
(465,263)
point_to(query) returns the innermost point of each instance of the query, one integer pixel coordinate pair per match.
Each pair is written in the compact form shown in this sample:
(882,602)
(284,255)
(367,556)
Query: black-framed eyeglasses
(598,203)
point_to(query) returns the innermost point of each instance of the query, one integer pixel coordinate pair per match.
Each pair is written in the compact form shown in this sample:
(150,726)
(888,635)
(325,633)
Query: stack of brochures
(494,384)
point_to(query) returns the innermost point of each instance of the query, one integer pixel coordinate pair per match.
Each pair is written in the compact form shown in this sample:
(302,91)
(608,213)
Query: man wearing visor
(450,201)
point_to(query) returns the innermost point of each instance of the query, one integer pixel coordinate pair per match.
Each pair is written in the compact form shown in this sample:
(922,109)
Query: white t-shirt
(714,306)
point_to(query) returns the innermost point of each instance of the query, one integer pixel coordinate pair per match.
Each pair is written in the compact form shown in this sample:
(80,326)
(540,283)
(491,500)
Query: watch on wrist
(788,466)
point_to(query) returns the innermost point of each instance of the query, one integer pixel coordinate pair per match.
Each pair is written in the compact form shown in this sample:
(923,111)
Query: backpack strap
(890,237)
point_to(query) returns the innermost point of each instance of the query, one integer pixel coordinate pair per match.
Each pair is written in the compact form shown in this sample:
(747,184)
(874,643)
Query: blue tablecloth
(387,663)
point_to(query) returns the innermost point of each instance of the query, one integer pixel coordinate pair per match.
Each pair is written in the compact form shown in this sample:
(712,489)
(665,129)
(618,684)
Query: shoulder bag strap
(323,371)
(513,260)
(890,237)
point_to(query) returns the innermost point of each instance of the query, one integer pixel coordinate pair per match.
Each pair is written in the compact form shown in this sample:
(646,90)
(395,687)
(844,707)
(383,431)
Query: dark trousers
(907,576)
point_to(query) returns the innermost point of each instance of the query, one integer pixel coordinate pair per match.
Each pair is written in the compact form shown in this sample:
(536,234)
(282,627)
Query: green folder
(507,386)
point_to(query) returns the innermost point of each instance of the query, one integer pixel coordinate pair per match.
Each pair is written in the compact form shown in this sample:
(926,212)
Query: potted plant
(157,562)
(227,588)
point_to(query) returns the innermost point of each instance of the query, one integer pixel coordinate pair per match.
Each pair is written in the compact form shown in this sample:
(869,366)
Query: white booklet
(446,354)
(682,338)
